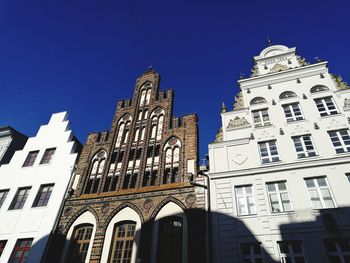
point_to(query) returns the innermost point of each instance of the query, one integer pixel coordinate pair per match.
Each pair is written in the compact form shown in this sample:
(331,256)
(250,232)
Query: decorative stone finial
(223,107)
(269,42)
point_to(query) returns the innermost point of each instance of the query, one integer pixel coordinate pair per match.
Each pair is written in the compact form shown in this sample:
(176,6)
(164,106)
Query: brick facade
(148,199)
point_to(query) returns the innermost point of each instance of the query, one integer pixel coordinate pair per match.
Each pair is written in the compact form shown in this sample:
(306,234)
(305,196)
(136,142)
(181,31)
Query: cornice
(291,74)
(282,167)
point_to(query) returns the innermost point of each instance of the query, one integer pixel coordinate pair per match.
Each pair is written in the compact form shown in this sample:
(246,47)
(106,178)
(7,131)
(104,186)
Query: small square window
(279,197)
(31,157)
(245,200)
(47,157)
(251,252)
(43,196)
(269,152)
(21,250)
(20,198)
(340,140)
(326,106)
(319,192)
(3,194)
(304,146)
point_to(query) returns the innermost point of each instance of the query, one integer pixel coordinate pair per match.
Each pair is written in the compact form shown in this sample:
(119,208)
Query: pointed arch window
(287,95)
(80,243)
(95,173)
(172,161)
(318,88)
(257,100)
(123,130)
(170,231)
(122,242)
(157,118)
(146,91)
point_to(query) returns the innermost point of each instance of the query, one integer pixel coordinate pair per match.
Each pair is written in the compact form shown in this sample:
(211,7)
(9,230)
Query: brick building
(133,200)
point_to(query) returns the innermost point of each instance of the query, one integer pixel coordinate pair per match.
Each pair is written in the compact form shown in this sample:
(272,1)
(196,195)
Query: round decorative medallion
(68,211)
(148,204)
(190,199)
(100,154)
(105,208)
(158,111)
(172,141)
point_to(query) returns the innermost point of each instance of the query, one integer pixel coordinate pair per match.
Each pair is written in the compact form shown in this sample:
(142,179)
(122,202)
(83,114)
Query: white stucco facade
(34,217)
(285,141)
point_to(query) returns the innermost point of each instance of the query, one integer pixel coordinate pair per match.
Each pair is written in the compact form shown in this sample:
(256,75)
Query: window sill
(263,127)
(38,207)
(296,121)
(307,158)
(272,163)
(330,116)
(247,216)
(283,213)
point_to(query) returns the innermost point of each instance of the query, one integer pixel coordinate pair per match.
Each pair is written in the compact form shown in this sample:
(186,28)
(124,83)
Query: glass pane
(282,186)
(321,181)
(271,187)
(310,183)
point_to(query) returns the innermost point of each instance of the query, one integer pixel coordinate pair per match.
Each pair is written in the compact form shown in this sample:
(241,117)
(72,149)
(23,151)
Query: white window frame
(252,256)
(291,254)
(326,110)
(343,146)
(261,122)
(318,189)
(304,151)
(294,117)
(278,192)
(339,253)
(269,156)
(251,210)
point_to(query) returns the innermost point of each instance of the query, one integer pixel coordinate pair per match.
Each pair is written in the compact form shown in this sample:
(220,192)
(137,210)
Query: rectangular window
(293,112)
(291,251)
(2,246)
(261,118)
(20,198)
(3,194)
(21,250)
(338,250)
(245,200)
(43,196)
(326,106)
(304,146)
(268,151)
(347,175)
(48,154)
(279,197)
(30,158)
(319,192)
(340,140)
(251,253)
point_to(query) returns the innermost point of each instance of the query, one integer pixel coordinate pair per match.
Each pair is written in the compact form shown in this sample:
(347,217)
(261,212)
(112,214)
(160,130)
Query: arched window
(257,100)
(157,117)
(170,240)
(318,88)
(287,94)
(95,172)
(172,161)
(146,91)
(123,130)
(80,243)
(122,242)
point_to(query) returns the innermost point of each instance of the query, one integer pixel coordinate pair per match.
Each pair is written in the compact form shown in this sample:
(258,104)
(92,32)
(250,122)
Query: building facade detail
(32,190)
(279,187)
(133,186)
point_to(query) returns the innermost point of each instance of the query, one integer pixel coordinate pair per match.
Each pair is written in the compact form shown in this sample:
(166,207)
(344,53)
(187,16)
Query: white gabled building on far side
(32,190)
(280,167)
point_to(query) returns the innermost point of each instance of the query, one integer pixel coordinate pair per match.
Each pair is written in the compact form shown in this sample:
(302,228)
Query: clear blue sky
(84,55)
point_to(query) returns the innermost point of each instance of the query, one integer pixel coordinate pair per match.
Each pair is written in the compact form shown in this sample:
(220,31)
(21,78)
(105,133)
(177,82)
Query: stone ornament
(339,83)
(190,199)
(219,135)
(148,204)
(237,123)
(278,67)
(239,159)
(105,208)
(346,106)
(239,103)
(68,211)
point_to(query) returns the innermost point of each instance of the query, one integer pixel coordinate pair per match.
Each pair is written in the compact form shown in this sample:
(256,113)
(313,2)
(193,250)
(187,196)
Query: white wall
(37,222)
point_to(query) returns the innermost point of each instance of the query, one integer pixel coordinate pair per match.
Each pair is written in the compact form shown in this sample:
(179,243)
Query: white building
(32,190)
(279,169)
